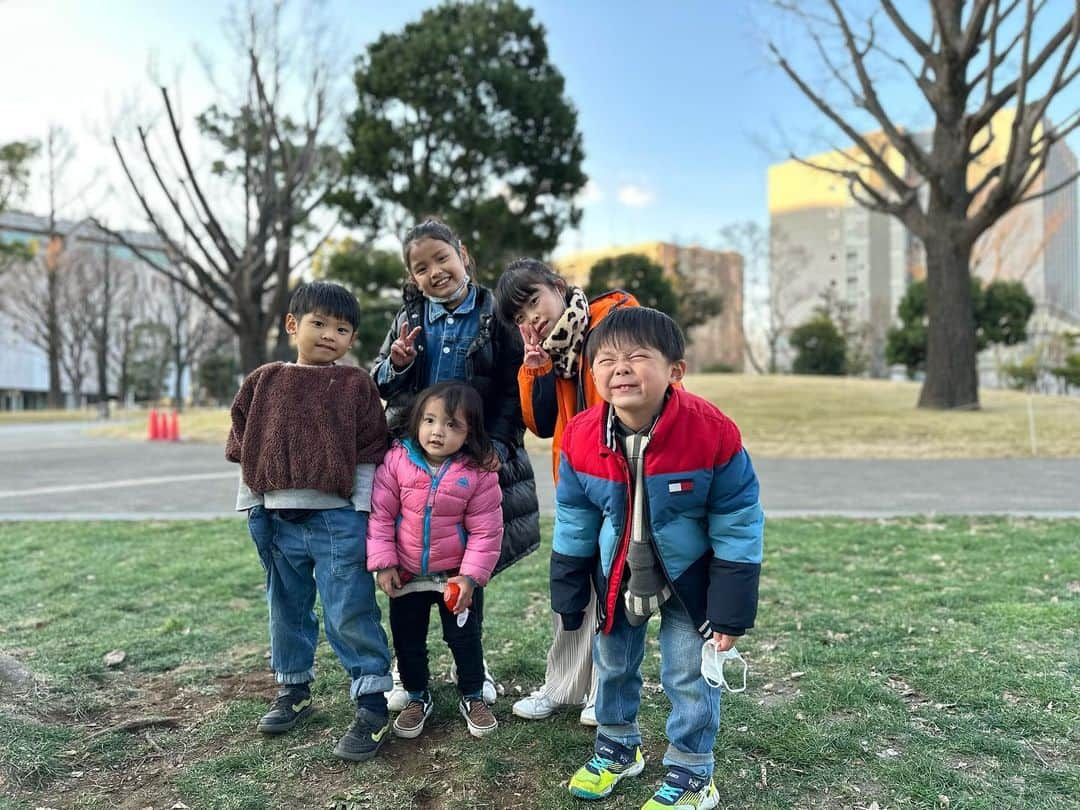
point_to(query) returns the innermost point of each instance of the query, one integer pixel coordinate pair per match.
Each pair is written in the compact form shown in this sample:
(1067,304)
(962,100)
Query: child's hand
(535,356)
(403,350)
(464,600)
(389,581)
(723,641)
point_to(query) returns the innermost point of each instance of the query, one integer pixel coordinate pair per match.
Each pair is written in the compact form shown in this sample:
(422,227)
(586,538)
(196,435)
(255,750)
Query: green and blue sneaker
(365,736)
(292,704)
(610,763)
(681,790)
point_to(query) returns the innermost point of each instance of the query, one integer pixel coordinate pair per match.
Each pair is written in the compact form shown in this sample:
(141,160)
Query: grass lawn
(895,664)
(788,416)
(47,415)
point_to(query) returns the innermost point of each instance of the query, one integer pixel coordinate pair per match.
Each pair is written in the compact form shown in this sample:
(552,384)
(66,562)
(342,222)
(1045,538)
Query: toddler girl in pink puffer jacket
(436,519)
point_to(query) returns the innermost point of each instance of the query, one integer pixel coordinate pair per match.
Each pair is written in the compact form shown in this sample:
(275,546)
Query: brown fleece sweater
(306,427)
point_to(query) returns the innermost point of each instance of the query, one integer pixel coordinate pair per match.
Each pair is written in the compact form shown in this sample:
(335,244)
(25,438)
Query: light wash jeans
(695,706)
(326,552)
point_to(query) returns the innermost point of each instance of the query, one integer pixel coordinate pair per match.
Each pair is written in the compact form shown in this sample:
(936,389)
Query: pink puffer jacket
(429,524)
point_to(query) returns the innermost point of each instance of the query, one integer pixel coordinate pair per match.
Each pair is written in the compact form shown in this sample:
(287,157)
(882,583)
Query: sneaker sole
(588,720)
(710,801)
(477,731)
(413,733)
(281,728)
(633,770)
(525,715)
(362,756)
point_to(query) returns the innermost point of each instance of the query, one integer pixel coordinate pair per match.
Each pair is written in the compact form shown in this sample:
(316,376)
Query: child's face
(321,339)
(436,268)
(542,310)
(441,434)
(634,380)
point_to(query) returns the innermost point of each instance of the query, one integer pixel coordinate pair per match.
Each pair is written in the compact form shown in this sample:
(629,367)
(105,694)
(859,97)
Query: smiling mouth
(542,329)
(442,282)
(326,346)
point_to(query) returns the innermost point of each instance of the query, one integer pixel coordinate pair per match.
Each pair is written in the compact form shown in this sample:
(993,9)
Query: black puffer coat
(494,357)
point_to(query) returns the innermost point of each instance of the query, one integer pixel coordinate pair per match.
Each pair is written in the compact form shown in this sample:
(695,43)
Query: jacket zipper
(426,554)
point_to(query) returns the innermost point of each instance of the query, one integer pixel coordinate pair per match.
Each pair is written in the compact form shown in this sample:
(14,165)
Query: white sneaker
(536,706)
(397,698)
(588,714)
(490,692)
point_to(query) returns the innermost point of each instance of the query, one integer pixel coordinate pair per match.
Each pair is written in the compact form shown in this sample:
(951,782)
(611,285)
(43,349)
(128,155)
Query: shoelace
(669,792)
(599,763)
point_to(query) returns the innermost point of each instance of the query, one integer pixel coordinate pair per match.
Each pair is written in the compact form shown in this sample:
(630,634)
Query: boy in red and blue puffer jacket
(657,507)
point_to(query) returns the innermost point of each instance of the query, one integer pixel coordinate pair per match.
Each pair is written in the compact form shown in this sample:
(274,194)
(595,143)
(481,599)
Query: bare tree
(977,58)
(129,311)
(58,154)
(238,259)
(773,266)
(78,284)
(191,332)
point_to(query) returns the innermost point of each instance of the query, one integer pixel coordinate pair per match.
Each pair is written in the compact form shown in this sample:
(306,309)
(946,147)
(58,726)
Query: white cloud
(590,194)
(635,196)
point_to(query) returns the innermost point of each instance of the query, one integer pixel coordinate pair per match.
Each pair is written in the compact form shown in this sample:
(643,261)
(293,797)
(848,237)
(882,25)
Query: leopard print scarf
(565,340)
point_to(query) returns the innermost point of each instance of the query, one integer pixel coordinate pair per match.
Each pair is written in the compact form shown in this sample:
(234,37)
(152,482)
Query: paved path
(55,471)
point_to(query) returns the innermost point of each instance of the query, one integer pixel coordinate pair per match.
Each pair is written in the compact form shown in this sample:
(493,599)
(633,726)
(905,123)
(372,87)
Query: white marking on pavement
(124,482)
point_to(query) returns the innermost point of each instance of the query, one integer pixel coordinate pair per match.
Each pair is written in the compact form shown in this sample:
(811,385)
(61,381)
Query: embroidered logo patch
(463,482)
(686,485)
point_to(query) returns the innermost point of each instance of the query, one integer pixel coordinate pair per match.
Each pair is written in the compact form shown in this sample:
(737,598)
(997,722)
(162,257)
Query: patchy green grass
(911,663)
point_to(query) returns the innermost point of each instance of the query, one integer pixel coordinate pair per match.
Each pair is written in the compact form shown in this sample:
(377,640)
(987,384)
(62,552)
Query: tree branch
(901,141)
(1028,69)
(902,189)
(211,224)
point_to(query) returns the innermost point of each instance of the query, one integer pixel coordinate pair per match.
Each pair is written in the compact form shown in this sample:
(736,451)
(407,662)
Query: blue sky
(680,106)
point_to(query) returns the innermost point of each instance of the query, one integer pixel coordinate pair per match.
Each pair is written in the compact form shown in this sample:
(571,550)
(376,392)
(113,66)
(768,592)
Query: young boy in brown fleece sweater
(308,436)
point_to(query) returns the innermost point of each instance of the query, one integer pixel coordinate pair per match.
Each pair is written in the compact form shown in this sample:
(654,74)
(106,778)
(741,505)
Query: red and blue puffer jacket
(703,510)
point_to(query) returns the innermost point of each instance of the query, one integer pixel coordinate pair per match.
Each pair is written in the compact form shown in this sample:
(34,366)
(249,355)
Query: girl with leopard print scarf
(554,382)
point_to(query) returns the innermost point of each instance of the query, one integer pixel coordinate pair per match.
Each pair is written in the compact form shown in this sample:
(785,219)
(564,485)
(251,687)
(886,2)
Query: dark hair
(430,228)
(638,326)
(456,396)
(325,297)
(517,283)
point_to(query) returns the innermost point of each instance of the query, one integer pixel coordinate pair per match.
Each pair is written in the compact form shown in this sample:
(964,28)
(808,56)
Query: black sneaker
(291,705)
(365,736)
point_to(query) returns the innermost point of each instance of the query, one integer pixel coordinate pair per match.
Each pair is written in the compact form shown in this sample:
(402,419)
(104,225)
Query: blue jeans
(695,706)
(326,551)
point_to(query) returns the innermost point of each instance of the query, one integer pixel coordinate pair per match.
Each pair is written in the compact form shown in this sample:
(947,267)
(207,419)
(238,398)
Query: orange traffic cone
(172,432)
(153,428)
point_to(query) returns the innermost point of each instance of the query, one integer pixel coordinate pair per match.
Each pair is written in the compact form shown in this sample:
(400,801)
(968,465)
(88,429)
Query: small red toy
(451,594)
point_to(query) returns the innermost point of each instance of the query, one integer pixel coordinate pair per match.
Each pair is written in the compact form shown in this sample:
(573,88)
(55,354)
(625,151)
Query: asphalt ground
(56,471)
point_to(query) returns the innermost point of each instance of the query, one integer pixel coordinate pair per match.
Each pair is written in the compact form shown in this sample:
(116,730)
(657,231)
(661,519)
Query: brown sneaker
(478,716)
(410,722)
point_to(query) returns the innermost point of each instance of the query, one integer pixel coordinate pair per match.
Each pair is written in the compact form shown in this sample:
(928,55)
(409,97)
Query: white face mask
(454,295)
(712,666)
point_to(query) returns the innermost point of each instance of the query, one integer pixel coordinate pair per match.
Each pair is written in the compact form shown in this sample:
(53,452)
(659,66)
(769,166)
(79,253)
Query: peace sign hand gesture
(535,356)
(403,350)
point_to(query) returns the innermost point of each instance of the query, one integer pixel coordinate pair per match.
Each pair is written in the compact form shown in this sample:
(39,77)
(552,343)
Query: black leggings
(409,616)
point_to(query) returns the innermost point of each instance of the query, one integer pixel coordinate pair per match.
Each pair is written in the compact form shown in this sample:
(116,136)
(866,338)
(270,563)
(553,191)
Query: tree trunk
(103,337)
(178,385)
(252,339)
(52,322)
(951,363)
